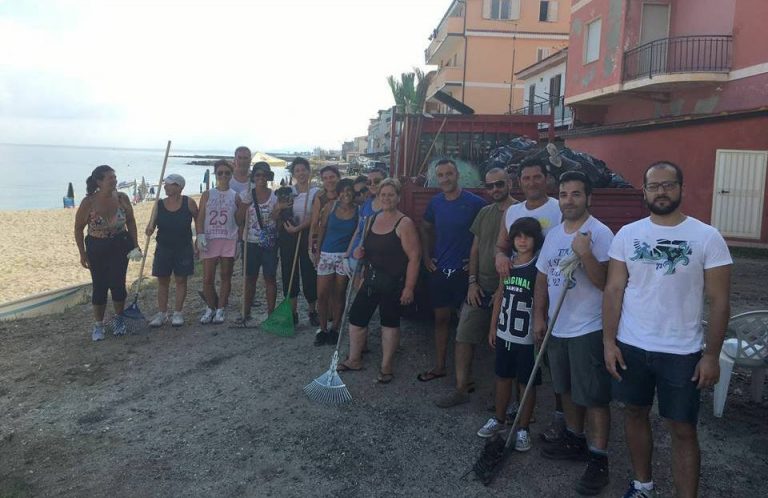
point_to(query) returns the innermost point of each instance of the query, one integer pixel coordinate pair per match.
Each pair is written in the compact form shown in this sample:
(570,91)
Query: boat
(45,303)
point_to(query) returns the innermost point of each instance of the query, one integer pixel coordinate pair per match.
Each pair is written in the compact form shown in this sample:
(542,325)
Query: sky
(285,75)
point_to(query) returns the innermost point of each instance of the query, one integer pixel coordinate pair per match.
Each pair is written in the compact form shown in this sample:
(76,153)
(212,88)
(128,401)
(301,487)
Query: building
(544,85)
(346,148)
(685,81)
(479,45)
(379,133)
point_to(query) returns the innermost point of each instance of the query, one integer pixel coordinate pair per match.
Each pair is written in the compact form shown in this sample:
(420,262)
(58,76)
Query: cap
(177,179)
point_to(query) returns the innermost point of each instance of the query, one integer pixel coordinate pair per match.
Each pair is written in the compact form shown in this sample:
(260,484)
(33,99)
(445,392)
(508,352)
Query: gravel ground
(219,411)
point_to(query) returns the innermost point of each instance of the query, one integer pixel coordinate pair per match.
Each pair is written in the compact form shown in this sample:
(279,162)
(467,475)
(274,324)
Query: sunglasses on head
(493,185)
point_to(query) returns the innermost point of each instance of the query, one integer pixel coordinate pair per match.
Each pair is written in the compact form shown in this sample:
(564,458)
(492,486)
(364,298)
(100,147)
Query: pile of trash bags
(521,150)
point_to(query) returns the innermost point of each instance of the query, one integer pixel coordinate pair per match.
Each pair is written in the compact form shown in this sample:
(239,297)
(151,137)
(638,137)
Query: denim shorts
(448,288)
(577,366)
(179,261)
(261,258)
(666,374)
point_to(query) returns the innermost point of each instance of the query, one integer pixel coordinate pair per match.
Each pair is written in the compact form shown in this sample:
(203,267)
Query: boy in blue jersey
(446,240)
(511,335)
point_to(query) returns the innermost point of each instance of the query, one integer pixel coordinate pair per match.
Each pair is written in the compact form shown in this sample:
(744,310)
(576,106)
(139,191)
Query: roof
(544,64)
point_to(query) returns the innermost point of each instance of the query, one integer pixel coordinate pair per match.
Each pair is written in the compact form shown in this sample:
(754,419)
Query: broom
(132,316)
(497,449)
(243,322)
(329,389)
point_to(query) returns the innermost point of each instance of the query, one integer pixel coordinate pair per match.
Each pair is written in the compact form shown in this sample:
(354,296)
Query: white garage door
(737,206)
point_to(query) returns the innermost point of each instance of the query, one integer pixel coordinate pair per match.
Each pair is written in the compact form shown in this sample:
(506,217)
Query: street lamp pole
(512,72)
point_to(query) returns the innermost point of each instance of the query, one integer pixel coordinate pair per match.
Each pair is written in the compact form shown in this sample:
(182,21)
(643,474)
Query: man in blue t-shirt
(446,240)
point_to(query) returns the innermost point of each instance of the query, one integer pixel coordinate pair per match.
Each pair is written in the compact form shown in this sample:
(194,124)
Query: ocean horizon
(36,176)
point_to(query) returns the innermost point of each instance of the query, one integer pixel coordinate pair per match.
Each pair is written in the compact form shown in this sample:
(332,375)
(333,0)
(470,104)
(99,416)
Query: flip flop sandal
(428,376)
(384,378)
(343,367)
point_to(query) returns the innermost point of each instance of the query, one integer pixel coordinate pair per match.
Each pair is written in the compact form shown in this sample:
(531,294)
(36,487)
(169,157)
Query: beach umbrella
(70,191)
(207,179)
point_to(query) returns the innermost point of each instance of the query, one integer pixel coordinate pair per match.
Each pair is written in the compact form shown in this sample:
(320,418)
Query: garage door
(737,206)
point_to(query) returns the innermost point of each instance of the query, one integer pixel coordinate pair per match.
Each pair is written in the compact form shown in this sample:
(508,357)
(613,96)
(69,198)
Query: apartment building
(544,84)
(685,81)
(379,132)
(479,45)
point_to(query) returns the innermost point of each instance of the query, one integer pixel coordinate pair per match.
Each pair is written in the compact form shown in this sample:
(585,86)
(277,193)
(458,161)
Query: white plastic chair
(746,346)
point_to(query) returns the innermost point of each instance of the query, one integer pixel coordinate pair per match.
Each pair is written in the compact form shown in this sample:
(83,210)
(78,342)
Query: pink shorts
(219,248)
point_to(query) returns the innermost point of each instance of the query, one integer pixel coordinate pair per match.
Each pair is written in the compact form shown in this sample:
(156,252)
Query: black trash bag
(508,156)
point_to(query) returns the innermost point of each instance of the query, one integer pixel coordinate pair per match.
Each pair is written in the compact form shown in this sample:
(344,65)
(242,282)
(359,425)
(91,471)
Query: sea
(37,176)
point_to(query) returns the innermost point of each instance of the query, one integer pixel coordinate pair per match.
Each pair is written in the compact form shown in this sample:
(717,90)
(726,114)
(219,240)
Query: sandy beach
(39,251)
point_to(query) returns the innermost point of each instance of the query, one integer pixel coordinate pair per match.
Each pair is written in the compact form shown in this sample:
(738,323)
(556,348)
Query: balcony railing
(680,54)
(562,113)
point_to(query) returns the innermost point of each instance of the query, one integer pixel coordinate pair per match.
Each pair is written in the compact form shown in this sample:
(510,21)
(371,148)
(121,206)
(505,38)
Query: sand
(39,251)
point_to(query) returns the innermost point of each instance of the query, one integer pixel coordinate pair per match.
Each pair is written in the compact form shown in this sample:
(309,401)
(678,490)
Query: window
(592,41)
(501,9)
(531,98)
(554,89)
(547,11)
(541,53)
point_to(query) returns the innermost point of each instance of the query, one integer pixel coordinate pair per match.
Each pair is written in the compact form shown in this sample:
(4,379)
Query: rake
(329,389)
(243,322)
(132,318)
(498,448)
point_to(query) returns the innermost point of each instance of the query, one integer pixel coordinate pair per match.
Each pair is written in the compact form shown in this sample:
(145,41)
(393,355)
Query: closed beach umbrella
(70,191)
(207,179)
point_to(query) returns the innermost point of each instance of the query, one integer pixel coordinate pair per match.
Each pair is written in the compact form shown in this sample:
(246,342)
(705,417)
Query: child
(512,334)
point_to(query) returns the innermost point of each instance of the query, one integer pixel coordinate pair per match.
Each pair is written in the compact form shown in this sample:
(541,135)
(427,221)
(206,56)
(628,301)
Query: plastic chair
(746,346)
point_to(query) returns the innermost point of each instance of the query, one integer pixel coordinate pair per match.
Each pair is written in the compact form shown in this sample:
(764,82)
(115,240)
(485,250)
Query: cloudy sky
(275,74)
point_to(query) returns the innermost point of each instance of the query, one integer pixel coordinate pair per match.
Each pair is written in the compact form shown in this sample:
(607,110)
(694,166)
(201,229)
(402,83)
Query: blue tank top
(339,232)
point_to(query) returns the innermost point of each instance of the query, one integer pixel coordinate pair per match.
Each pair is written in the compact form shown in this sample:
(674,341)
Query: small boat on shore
(45,303)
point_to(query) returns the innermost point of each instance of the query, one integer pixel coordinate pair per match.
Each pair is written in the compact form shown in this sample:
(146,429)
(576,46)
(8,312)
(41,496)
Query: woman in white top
(218,241)
(295,229)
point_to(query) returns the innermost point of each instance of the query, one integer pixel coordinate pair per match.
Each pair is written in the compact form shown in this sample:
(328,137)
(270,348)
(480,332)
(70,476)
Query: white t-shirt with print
(548,214)
(299,203)
(664,298)
(582,309)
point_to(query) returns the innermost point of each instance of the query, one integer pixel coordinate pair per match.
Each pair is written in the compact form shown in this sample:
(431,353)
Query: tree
(410,93)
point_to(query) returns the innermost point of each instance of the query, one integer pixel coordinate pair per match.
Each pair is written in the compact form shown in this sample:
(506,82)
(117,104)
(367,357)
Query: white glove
(346,268)
(135,254)
(568,265)
(202,244)
(245,197)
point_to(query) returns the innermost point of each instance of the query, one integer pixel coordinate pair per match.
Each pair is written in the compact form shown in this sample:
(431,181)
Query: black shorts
(365,304)
(261,258)
(668,375)
(448,291)
(578,367)
(179,261)
(515,361)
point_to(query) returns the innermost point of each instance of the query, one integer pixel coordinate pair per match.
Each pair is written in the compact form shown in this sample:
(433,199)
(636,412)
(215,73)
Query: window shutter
(514,9)
(486,9)
(552,14)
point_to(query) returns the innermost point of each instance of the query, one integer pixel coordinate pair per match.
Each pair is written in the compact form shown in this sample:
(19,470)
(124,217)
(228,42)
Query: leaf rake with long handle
(497,449)
(329,389)
(132,317)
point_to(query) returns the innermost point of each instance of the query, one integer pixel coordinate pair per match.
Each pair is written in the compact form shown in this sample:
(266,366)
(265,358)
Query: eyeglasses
(224,173)
(493,185)
(666,186)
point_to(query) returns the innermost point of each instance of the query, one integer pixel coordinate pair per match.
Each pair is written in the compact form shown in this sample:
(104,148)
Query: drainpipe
(512,71)
(466,50)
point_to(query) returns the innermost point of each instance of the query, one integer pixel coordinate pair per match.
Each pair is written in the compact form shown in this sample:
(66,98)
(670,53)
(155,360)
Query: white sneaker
(522,440)
(207,316)
(219,316)
(491,428)
(97,334)
(178,319)
(158,320)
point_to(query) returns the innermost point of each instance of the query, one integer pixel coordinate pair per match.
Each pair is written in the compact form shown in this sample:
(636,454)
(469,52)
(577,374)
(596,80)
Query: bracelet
(473,279)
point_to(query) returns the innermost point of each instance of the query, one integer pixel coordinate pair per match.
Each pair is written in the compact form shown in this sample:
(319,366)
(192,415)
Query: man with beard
(575,349)
(446,242)
(660,268)
(242,163)
(475,316)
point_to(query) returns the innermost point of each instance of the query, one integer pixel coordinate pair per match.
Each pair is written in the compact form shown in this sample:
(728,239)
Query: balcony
(681,59)
(563,115)
(445,40)
(445,76)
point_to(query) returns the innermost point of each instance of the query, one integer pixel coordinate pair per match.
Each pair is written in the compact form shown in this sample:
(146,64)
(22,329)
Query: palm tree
(410,93)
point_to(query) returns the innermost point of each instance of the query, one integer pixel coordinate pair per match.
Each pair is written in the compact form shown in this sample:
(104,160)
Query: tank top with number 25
(220,210)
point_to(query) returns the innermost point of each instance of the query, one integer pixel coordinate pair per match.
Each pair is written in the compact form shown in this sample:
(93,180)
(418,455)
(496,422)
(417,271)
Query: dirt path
(215,411)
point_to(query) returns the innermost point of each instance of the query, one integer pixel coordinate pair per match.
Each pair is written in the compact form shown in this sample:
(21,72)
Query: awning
(454,104)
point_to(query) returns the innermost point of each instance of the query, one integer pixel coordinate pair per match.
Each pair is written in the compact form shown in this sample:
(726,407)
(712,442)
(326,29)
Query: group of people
(629,328)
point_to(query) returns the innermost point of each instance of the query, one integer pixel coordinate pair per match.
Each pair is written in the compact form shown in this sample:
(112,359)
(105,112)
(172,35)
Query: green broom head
(280,322)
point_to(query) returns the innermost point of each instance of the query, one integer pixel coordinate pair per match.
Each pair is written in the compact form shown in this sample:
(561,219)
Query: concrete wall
(693,147)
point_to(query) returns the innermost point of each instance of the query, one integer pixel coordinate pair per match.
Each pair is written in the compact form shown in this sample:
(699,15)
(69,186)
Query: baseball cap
(174,178)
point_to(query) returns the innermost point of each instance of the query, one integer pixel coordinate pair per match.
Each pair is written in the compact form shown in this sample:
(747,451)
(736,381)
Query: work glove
(245,197)
(202,243)
(135,254)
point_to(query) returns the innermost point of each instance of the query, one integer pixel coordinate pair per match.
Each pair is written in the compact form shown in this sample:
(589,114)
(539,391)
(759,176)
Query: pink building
(685,81)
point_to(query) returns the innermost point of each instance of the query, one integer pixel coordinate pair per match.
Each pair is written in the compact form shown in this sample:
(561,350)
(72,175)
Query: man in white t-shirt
(575,349)
(660,269)
(242,166)
(532,177)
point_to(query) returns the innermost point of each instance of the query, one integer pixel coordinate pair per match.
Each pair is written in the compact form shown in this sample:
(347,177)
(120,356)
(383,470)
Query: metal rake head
(328,389)
(130,321)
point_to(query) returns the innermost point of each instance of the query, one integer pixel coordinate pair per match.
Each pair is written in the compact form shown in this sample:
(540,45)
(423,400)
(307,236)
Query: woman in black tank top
(174,253)
(392,250)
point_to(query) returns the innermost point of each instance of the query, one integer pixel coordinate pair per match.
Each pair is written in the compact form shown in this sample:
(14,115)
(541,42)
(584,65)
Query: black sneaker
(314,319)
(332,337)
(595,477)
(568,448)
(321,338)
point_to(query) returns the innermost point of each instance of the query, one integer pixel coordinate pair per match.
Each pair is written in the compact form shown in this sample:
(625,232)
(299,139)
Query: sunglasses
(259,175)
(223,173)
(493,185)
(362,191)
(374,181)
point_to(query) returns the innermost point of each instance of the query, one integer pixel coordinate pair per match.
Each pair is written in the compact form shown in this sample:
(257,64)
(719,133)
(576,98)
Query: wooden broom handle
(153,216)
